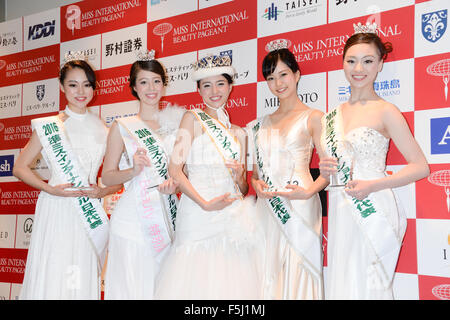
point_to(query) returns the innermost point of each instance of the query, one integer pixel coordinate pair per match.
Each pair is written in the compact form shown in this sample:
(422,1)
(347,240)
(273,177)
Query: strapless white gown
(216,254)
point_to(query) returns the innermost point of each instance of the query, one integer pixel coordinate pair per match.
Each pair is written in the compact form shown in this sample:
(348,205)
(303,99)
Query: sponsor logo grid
(415,78)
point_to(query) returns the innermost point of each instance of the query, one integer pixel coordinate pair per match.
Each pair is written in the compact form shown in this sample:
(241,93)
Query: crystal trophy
(345,149)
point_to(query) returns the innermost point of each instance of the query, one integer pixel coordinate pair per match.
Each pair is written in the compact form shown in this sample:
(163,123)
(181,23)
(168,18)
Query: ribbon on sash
(372,220)
(157,211)
(227,145)
(303,239)
(54,141)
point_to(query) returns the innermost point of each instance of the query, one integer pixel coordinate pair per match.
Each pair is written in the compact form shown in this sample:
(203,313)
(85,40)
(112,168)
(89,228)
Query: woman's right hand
(260,186)
(218,203)
(140,160)
(328,166)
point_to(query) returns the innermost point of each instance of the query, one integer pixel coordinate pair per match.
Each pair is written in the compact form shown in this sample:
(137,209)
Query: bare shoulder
(316,115)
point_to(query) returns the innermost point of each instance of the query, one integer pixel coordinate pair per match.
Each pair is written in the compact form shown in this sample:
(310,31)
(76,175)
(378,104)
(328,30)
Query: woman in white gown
(142,222)
(65,254)
(365,224)
(214,253)
(284,141)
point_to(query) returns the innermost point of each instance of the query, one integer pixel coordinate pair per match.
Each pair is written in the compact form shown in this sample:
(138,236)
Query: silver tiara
(212,61)
(367,28)
(277,45)
(71,56)
(145,55)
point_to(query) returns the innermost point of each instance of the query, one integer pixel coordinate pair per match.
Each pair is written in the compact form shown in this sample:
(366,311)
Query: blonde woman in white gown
(143,219)
(65,257)
(284,142)
(365,222)
(214,252)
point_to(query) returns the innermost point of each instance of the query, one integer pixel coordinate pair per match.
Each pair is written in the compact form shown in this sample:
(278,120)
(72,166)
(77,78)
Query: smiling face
(215,90)
(362,63)
(77,89)
(283,81)
(149,87)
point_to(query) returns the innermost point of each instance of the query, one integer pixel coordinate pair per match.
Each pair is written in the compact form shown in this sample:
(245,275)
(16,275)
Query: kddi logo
(308,97)
(41,30)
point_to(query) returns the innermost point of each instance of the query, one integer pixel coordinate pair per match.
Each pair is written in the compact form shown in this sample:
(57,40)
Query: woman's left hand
(359,189)
(94,191)
(169,186)
(297,193)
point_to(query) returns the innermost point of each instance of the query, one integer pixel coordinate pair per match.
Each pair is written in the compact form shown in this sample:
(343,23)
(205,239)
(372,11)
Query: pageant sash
(157,211)
(58,149)
(303,239)
(227,145)
(371,219)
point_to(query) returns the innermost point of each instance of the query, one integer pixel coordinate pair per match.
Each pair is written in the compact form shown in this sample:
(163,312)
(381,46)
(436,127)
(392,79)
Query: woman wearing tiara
(214,254)
(143,220)
(365,226)
(70,228)
(287,194)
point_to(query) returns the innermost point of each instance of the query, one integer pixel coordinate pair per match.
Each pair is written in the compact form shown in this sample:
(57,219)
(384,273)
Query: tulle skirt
(215,255)
(61,261)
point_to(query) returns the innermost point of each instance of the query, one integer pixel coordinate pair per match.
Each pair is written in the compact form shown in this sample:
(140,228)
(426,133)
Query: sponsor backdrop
(415,78)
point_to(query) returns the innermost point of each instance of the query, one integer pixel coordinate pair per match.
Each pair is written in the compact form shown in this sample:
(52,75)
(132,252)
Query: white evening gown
(287,276)
(215,253)
(61,261)
(131,267)
(352,272)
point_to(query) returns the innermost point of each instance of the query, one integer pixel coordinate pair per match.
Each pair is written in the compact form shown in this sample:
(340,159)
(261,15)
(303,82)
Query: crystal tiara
(145,55)
(277,45)
(75,55)
(367,28)
(212,61)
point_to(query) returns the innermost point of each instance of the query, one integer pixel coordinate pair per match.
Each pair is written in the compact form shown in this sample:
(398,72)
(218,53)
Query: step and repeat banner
(415,78)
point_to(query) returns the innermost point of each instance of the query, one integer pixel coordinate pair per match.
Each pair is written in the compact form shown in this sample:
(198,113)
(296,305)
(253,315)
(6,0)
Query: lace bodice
(369,149)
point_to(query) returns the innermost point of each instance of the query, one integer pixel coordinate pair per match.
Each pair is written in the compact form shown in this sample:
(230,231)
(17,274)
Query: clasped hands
(358,189)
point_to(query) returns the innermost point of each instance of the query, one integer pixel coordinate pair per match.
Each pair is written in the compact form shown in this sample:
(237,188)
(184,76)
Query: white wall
(18,8)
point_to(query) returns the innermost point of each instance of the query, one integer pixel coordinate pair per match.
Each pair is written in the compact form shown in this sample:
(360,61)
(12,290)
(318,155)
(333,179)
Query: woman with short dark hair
(137,155)
(70,228)
(287,194)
